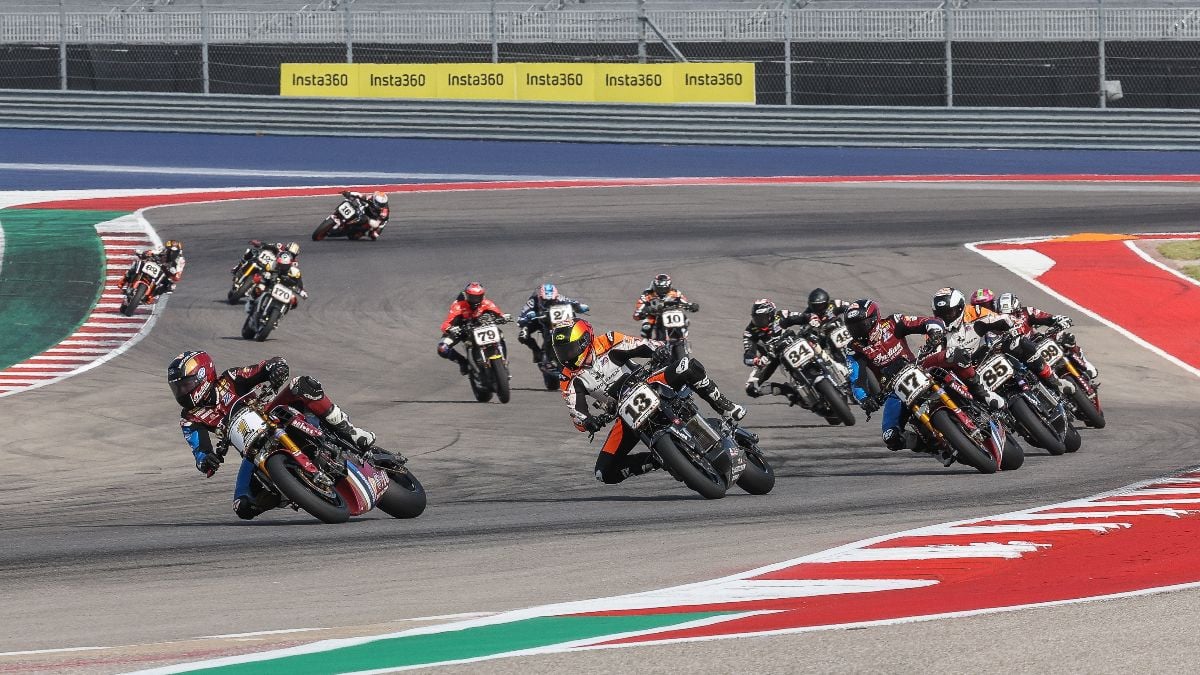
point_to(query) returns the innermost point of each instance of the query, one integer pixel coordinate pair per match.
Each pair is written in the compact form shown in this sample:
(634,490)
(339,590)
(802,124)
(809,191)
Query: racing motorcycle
(147,275)
(707,455)
(263,314)
(1035,412)
(487,357)
(822,384)
(348,220)
(1085,402)
(968,433)
(835,338)
(671,322)
(310,468)
(556,314)
(249,273)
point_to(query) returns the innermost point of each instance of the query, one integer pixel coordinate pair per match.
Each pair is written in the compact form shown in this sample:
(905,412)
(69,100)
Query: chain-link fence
(1056,53)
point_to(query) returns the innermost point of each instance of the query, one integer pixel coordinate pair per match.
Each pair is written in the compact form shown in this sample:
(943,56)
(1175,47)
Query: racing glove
(762,361)
(870,405)
(1063,322)
(695,307)
(592,424)
(207,463)
(583,308)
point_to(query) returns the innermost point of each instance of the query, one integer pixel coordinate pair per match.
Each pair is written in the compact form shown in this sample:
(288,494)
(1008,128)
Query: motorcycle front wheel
(286,474)
(237,293)
(1040,432)
(267,325)
(323,229)
(964,448)
(1087,411)
(699,475)
(131,303)
(501,381)
(837,403)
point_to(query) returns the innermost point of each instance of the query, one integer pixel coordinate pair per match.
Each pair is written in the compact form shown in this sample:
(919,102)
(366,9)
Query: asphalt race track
(110,536)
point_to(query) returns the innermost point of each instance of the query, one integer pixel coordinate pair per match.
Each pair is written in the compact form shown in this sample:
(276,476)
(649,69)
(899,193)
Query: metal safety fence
(1080,53)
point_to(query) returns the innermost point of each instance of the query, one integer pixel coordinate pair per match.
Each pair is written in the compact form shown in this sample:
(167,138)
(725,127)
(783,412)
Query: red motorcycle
(147,275)
(311,468)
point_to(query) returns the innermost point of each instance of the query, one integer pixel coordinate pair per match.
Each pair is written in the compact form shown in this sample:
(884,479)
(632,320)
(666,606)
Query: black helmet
(949,304)
(762,313)
(818,301)
(861,317)
(191,376)
(662,285)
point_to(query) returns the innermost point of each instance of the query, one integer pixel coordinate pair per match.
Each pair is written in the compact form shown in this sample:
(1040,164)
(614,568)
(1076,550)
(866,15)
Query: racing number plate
(486,335)
(151,268)
(637,407)
(995,372)
(910,383)
(561,315)
(799,353)
(245,429)
(345,210)
(840,337)
(674,318)
(282,293)
(266,259)
(1050,351)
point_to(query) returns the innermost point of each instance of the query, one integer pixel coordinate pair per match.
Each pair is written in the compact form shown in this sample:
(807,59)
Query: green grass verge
(1192,271)
(1181,250)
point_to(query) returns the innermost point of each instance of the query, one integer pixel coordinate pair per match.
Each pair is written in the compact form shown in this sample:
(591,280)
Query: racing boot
(783,389)
(707,390)
(248,506)
(337,419)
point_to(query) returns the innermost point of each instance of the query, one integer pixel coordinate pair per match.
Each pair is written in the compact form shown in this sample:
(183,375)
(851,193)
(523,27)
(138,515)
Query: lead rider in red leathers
(206,399)
(470,304)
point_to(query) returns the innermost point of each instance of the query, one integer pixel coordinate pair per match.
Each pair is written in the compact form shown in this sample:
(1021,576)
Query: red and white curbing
(106,333)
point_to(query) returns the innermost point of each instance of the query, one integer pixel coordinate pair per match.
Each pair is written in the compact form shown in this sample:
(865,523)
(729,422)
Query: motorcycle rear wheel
(1072,440)
(283,472)
(837,403)
(681,465)
(1042,435)
(405,497)
(964,448)
(1014,454)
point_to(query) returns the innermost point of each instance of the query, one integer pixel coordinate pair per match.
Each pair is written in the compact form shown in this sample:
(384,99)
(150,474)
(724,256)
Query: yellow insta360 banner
(566,82)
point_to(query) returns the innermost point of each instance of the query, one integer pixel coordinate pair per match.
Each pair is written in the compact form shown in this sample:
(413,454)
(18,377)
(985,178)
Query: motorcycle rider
(1008,304)
(547,294)
(286,269)
(206,398)
(170,257)
(374,207)
(658,293)
(767,321)
(881,343)
(470,304)
(950,305)
(595,365)
(825,309)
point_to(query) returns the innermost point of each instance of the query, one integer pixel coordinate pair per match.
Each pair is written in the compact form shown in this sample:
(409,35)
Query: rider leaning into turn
(286,268)
(658,293)
(170,257)
(1027,317)
(468,306)
(767,321)
(206,399)
(375,207)
(597,365)
(528,321)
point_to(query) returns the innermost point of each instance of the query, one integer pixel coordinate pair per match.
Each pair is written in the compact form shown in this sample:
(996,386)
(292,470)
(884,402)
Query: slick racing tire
(483,393)
(1071,439)
(964,448)
(837,403)
(248,328)
(1014,454)
(867,380)
(695,472)
(268,325)
(323,229)
(236,294)
(500,377)
(405,497)
(285,473)
(1040,432)
(758,478)
(1085,409)
(131,303)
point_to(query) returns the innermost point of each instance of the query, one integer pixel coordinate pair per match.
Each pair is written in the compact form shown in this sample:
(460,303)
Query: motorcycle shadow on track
(603,498)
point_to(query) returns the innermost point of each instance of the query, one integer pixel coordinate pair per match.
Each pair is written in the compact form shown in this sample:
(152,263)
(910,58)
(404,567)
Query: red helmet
(861,317)
(191,376)
(573,344)
(474,293)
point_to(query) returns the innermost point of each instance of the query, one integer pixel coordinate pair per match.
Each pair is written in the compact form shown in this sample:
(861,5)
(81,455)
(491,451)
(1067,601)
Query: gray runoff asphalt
(110,536)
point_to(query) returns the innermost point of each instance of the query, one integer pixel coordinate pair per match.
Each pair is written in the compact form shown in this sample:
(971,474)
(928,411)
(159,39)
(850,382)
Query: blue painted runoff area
(61,159)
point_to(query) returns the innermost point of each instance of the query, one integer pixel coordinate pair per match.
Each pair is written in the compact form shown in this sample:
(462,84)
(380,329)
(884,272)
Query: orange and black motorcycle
(147,275)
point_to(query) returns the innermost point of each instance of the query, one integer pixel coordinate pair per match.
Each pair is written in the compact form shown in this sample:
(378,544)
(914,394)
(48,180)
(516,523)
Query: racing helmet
(172,248)
(949,305)
(548,292)
(379,199)
(1007,303)
(983,297)
(818,301)
(473,293)
(661,285)
(762,313)
(191,376)
(861,318)
(573,344)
